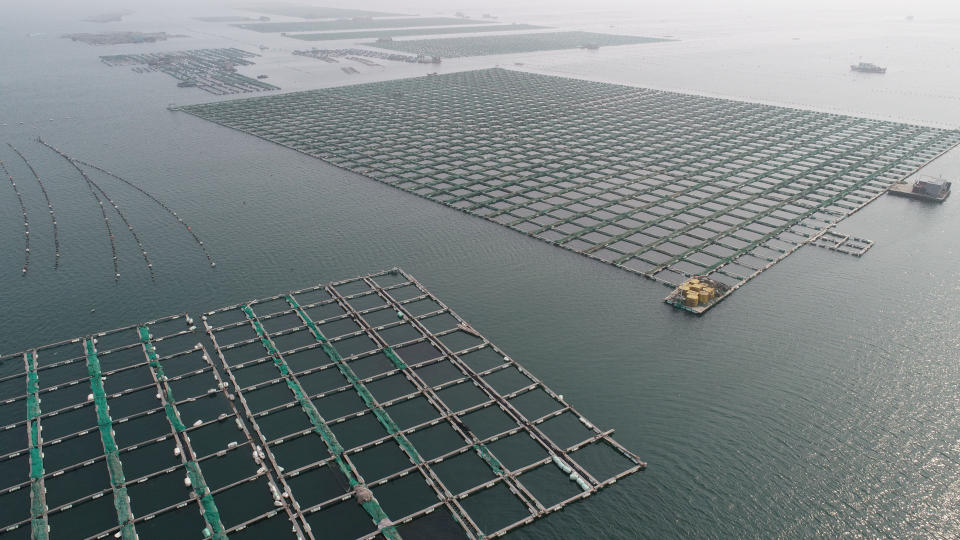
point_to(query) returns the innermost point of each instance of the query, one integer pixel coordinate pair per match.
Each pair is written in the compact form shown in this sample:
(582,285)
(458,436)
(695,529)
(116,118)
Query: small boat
(867,67)
(926,189)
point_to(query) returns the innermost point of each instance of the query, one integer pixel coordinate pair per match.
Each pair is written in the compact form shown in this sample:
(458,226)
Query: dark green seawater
(820,400)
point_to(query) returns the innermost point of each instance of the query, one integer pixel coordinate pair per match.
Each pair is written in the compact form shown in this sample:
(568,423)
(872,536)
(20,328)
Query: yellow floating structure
(697,293)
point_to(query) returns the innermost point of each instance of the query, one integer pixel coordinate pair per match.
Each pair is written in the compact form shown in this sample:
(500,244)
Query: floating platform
(922,190)
(697,295)
(665,185)
(363,408)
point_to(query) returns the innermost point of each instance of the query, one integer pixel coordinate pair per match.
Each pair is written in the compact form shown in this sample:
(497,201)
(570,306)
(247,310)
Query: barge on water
(929,189)
(867,67)
(697,294)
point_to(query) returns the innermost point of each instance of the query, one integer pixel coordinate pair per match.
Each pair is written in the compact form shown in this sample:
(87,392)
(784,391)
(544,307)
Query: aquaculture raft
(363,408)
(508,44)
(662,184)
(211,70)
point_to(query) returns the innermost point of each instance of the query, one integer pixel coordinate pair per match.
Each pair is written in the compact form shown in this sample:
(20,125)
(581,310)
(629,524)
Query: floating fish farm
(317,12)
(363,408)
(355,24)
(211,70)
(331,55)
(510,44)
(324,36)
(663,184)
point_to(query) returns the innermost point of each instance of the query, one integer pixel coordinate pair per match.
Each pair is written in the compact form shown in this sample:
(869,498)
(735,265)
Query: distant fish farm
(384,34)
(360,23)
(117,38)
(667,185)
(362,56)
(317,12)
(210,70)
(363,408)
(510,44)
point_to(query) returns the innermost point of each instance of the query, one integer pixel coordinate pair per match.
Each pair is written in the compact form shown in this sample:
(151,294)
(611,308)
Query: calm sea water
(819,400)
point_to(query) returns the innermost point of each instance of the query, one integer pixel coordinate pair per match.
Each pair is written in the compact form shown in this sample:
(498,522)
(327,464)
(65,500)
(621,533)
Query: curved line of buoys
(26,222)
(106,220)
(159,203)
(53,216)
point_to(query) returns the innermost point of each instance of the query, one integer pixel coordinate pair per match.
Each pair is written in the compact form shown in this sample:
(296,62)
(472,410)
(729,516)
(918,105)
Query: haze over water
(819,400)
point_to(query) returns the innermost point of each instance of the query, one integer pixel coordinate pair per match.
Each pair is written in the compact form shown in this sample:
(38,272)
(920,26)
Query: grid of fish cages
(363,408)
(387,415)
(662,184)
(318,12)
(357,24)
(510,44)
(843,243)
(326,36)
(128,433)
(211,70)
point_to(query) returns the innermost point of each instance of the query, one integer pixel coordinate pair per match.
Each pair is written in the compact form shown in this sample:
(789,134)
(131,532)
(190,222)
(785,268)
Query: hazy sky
(938,7)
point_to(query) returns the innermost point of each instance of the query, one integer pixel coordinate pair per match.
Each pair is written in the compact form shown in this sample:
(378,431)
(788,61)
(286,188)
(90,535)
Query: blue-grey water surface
(819,400)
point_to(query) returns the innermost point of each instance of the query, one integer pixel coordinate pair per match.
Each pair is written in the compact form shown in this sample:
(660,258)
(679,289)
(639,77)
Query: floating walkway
(363,408)
(26,221)
(103,211)
(665,185)
(160,203)
(46,196)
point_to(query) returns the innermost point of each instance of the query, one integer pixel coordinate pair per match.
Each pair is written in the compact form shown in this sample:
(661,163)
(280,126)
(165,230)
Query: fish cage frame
(418,342)
(661,184)
(189,462)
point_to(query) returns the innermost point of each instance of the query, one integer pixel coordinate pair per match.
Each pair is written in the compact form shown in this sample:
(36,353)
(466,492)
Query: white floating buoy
(89,397)
(197,423)
(187,482)
(176,451)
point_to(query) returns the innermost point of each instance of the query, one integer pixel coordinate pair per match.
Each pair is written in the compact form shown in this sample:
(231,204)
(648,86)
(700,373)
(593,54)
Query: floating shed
(661,184)
(363,408)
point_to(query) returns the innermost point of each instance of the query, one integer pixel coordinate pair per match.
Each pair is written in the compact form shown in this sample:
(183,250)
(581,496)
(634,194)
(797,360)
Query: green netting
(491,460)
(174,417)
(408,447)
(32,387)
(397,361)
(34,426)
(115,467)
(210,511)
(345,469)
(122,503)
(36,464)
(382,416)
(33,406)
(144,334)
(38,523)
(385,419)
(375,510)
(260,331)
(331,352)
(105,424)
